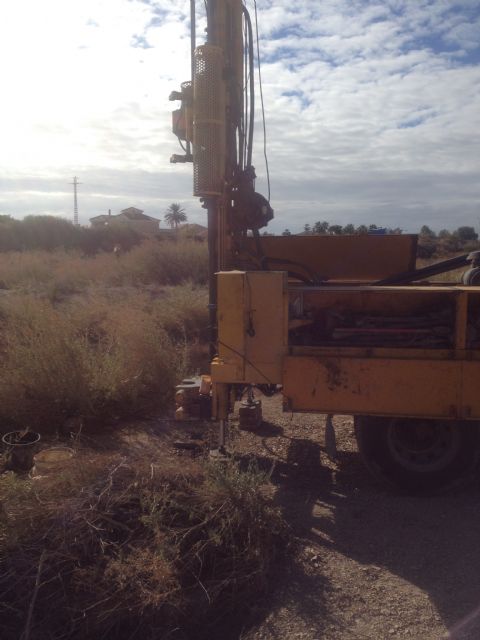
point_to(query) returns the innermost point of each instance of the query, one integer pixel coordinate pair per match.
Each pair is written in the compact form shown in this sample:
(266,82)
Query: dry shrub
(60,273)
(30,269)
(115,549)
(183,312)
(67,272)
(453,277)
(88,359)
(168,262)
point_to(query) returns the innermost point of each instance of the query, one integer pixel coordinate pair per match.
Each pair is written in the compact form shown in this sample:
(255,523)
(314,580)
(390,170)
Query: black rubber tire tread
(372,434)
(471,277)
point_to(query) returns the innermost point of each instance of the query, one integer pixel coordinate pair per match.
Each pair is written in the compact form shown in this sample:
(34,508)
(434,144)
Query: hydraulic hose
(431,270)
(251,73)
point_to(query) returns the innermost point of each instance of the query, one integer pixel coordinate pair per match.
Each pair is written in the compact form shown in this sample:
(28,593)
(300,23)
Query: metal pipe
(193,36)
(193,43)
(212,281)
(431,270)
(222,435)
(252,85)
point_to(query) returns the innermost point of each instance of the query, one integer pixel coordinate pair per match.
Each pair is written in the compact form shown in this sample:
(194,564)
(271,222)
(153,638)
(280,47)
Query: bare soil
(369,563)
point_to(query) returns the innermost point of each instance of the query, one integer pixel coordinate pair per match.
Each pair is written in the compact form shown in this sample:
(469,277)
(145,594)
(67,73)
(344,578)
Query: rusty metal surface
(470,383)
(410,351)
(365,361)
(438,317)
(375,386)
(363,258)
(391,353)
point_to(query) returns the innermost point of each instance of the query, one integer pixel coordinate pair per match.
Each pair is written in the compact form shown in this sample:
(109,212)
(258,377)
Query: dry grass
(169,263)
(118,549)
(61,273)
(150,547)
(97,336)
(451,277)
(101,354)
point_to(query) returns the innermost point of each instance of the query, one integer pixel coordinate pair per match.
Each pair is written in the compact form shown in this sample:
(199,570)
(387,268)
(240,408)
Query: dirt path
(372,564)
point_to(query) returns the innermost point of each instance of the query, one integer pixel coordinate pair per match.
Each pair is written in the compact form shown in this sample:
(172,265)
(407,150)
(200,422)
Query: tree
(307,230)
(335,230)
(427,246)
(349,229)
(361,229)
(466,234)
(174,215)
(427,242)
(321,227)
(287,232)
(48,233)
(426,231)
(449,243)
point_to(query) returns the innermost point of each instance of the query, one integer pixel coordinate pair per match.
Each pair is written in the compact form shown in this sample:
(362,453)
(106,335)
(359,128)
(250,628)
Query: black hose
(193,37)
(252,85)
(263,261)
(431,270)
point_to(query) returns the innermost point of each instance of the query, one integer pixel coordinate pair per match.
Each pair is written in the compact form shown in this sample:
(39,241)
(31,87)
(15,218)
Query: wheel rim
(423,445)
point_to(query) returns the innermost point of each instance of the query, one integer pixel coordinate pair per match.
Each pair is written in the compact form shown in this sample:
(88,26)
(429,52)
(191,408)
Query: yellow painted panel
(226,372)
(471,388)
(374,386)
(252,326)
(231,319)
(261,373)
(266,312)
(395,353)
(362,258)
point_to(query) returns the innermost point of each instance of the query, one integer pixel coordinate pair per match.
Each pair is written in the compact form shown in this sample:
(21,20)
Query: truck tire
(417,455)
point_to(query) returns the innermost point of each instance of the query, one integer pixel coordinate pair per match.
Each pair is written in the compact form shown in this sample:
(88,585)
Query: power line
(75,200)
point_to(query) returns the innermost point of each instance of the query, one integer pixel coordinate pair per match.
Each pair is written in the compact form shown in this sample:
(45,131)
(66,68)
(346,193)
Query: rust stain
(315,384)
(335,377)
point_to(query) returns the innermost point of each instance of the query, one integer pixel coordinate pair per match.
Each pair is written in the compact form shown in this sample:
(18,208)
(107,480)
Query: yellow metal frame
(362,258)
(252,327)
(430,388)
(412,382)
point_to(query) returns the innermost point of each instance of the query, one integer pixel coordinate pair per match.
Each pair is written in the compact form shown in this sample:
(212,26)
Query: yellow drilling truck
(341,324)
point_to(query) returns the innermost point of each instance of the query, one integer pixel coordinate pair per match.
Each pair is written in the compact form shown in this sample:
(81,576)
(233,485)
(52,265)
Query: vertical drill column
(208,122)
(217,117)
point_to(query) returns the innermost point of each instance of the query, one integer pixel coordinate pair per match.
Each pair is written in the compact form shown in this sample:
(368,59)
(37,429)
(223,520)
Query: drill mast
(216,118)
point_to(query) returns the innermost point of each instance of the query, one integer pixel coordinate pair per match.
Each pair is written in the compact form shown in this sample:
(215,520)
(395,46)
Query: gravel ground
(369,563)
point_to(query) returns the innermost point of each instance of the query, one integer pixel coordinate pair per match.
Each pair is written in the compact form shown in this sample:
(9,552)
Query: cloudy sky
(372,109)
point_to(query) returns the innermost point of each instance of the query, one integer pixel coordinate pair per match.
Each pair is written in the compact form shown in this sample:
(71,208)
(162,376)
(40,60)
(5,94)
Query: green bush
(49,233)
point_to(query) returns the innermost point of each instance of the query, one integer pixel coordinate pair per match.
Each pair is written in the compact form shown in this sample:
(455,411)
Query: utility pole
(75,202)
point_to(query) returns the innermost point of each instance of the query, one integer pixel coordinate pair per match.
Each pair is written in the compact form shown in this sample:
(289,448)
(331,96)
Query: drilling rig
(339,324)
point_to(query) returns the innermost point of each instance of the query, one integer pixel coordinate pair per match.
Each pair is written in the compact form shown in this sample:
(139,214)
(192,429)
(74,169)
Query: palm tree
(175,215)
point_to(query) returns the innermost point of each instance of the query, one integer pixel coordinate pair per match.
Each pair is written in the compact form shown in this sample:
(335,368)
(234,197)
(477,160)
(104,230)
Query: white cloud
(373,108)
